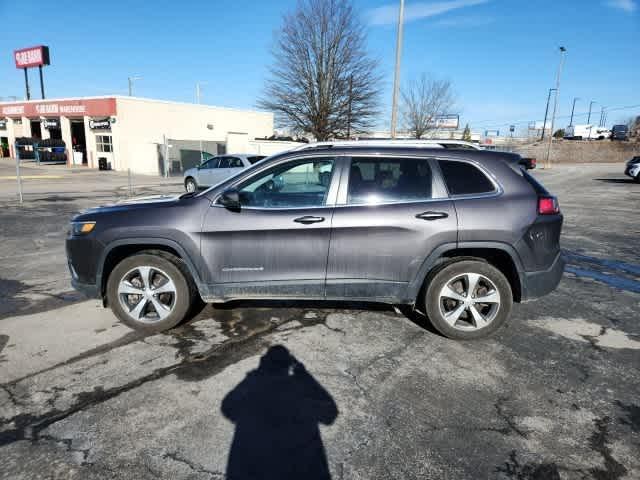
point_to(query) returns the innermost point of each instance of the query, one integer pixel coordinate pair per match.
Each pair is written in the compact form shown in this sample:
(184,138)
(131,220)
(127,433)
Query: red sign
(31,57)
(91,107)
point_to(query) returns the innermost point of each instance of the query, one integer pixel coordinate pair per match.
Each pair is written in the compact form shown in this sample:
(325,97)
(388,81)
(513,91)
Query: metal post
(589,117)
(601,123)
(396,75)
(41,81)
(546,112)
(572,110)
(18,178)
(130,87)
(555,105)
(26,83)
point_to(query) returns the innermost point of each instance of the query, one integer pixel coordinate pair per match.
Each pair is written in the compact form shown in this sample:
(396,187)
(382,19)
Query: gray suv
(459,234)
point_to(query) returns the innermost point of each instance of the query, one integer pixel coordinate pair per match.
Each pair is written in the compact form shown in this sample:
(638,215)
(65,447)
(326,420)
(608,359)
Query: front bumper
(540,283)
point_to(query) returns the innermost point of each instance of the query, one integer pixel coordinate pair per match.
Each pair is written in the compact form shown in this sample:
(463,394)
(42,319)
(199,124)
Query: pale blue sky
(501,55)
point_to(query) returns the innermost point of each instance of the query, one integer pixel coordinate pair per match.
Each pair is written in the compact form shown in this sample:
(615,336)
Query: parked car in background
(620,132)
(633,168)
(216,169)
(422,227)
(586,132)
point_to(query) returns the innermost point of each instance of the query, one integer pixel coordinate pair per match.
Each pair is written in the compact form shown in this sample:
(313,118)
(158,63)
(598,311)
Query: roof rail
(416,143)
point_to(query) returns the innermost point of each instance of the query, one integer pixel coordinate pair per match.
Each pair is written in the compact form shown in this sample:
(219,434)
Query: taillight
(533,163)
(548,206)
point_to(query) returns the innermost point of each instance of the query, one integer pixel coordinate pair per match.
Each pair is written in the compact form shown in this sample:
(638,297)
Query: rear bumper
(540,283)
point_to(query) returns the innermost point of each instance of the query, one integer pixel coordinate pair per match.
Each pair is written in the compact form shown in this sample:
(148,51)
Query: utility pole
(589,117)
(572,109)
(546,112)
(396,75)
(131,80)
(601,123)
(555,105)
(349,110)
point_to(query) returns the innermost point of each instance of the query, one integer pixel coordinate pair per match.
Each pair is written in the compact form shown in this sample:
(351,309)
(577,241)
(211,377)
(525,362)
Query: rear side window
(255,159)
(463,178)
(382,180)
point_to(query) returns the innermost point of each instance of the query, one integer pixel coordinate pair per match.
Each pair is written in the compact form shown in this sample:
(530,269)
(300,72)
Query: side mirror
(230,199)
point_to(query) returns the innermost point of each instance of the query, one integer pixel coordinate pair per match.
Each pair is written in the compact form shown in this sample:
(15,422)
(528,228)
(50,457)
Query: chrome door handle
(432,215)
(308,219)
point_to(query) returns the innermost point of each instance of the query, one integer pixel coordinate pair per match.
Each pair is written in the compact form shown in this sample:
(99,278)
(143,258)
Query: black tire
(167,265)
(461,331)
(637,178)
(190,184)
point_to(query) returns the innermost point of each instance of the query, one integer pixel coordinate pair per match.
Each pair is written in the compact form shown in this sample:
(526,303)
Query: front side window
(103,143)
(463,178)
(376,180)
(211,163)
(301,183)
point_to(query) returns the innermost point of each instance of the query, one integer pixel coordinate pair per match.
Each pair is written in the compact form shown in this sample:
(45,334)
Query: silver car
(217,169)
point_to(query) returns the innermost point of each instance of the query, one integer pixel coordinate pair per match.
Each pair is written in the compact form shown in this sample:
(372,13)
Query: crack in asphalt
(509,419)
(196,467)
(68,444)
(599,441)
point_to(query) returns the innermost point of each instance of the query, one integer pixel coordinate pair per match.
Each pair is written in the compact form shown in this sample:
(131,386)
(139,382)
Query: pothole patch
(582,331)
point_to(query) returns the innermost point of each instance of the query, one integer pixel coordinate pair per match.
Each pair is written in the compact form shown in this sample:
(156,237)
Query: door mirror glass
(230,199)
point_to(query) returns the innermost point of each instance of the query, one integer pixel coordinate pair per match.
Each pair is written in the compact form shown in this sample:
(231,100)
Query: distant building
(136,133)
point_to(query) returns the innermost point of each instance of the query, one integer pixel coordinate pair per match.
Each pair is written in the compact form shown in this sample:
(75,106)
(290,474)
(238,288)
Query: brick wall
(573,151)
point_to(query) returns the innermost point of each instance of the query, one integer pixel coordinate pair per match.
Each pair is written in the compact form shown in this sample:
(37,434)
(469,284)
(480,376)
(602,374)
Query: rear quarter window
(463,178)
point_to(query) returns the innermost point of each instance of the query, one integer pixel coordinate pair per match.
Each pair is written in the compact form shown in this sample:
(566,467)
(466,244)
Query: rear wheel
(468,299)
(190,185)
(150,292)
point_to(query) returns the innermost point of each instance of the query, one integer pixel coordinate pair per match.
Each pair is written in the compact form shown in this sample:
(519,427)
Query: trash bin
(102,164)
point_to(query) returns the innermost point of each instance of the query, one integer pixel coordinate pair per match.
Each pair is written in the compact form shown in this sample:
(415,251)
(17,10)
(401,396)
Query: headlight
(82,228)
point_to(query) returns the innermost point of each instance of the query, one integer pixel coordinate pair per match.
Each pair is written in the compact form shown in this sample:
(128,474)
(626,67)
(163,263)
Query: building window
(103,143)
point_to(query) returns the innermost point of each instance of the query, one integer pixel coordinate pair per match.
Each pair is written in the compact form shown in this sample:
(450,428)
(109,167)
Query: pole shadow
(277,409)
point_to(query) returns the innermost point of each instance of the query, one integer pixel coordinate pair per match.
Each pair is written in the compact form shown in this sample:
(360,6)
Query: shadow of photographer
(277,410)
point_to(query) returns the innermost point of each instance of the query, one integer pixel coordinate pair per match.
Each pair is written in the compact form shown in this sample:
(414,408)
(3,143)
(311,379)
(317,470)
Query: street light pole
(589,117)
(572,110)
(555,105)
(396,75)
(546,112)
(198,96)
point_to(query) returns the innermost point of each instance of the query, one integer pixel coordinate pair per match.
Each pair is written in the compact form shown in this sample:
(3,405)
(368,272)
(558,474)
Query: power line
(527,121)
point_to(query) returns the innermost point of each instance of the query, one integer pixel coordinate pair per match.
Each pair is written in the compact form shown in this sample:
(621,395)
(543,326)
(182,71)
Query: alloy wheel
(469,301)
(147,294)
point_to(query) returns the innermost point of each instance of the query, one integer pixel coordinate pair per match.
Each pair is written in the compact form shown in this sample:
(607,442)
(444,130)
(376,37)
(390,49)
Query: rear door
(392,213)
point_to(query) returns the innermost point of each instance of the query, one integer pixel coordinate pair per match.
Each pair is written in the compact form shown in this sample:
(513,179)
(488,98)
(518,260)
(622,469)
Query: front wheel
(190,185)
(149,292)
(637,177)
(468,299)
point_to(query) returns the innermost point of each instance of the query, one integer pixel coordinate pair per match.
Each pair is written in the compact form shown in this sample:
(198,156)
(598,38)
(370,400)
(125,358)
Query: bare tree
(323,82)
(423,101)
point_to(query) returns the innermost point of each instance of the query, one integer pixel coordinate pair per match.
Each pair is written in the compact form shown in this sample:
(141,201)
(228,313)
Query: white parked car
(217,169)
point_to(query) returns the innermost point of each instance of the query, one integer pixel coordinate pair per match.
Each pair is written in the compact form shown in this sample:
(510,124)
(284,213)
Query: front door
(390,217)
(276,245)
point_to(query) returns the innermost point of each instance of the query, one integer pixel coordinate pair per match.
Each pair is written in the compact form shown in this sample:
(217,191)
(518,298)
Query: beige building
(144,135)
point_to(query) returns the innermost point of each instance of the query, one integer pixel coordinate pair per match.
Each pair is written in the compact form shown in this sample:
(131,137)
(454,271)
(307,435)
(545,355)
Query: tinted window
(213,163)
(303,183)
(255,159)
(230,162)
(375,180)
(463,178)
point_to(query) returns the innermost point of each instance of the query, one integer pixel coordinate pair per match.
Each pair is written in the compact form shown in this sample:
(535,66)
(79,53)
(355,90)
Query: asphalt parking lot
(326,391)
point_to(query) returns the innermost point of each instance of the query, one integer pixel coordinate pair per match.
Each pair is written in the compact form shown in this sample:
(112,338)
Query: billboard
(445,121)
(31,57)
(97,107)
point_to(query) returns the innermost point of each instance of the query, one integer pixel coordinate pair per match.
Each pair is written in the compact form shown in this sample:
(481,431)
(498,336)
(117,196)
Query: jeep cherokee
(460,234)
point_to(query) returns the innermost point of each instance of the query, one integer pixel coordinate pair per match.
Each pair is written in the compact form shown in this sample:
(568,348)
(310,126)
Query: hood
(136,202)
